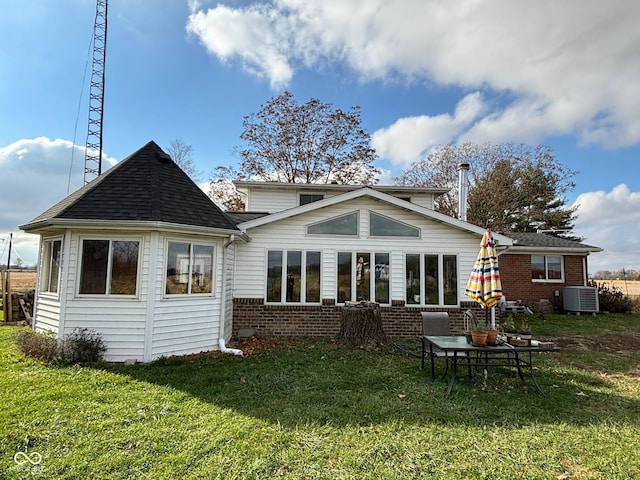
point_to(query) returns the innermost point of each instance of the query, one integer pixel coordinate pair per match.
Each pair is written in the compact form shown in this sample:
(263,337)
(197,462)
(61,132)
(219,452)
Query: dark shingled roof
(522,239)
(241,217)
(147,186)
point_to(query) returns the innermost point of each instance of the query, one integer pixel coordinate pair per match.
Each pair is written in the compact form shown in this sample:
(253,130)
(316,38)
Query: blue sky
(424,72)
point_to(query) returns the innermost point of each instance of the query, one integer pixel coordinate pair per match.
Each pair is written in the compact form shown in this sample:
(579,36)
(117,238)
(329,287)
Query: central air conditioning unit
(581,299)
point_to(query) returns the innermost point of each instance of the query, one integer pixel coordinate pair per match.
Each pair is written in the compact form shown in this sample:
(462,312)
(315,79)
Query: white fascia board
(127,225)
(366,191)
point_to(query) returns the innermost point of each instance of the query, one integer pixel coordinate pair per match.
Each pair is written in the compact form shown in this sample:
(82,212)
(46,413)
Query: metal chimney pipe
(463,171)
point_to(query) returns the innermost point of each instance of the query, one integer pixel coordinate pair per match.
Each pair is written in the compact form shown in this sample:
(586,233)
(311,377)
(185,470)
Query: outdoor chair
(433,323)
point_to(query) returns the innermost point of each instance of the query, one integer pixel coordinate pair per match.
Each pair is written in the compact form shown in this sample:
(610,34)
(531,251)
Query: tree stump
(361,324)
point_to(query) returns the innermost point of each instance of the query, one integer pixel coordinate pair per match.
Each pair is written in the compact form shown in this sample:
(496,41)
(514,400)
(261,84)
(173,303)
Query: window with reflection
(342,225)
(363,276)
(51,264)
(546,267)
(109,267)
(431,279)
(381,226)
(293,276)
(189,269)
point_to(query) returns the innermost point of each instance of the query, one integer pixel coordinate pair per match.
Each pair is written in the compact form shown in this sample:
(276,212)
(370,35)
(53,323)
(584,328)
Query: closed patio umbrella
(484,284)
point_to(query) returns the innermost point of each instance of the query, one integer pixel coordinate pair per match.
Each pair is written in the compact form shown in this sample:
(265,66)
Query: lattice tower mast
(93,150)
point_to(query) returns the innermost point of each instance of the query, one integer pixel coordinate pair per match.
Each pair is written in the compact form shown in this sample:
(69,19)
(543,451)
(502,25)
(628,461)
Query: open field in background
(22,280)
(26,280)
(628,287)
(316,409)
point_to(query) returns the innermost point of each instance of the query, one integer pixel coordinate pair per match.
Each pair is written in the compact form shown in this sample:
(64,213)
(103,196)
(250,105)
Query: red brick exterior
(515,274)
(398,320)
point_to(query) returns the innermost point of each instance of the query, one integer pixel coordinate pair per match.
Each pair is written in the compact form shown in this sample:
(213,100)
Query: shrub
(40,345)
(611,298)
(81,346)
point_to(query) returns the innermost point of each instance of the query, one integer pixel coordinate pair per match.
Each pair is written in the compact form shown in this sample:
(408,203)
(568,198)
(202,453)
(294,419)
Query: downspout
(223,307)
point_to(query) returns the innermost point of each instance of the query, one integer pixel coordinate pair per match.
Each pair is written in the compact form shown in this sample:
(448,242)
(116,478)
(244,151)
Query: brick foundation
(323,320)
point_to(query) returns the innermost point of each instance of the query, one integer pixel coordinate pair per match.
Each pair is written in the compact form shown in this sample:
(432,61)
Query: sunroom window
(380,226)
(431,279)
(342,225)
(51,262)
(293,276)
(363,276)
(189,269)
(109,267)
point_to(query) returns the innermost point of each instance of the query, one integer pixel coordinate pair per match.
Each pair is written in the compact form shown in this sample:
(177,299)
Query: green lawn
(317,410)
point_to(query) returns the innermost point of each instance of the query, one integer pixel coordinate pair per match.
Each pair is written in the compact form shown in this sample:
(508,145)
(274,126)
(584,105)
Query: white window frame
(191,262)
(47,264)
(283,277)
(440,280)
(372,277)
(546,269)
(111,240)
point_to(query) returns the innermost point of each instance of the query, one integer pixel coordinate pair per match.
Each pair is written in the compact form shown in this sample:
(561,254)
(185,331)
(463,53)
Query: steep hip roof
(147,186)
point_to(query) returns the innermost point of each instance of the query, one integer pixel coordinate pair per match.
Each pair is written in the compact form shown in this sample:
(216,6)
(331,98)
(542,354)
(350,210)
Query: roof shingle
(147,186)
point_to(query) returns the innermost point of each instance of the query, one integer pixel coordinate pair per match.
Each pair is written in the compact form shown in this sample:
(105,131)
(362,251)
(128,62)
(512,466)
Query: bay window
(51,264)
(109,267)
(189,269)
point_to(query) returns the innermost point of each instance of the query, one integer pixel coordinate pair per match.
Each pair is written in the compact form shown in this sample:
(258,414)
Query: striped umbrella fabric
(484,284)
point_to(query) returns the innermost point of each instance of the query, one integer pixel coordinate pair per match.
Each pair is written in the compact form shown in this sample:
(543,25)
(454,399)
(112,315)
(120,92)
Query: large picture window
(109,267)
(189,269)
(546,268)
(293,276)
(358,278)
(431,279)
(51,263)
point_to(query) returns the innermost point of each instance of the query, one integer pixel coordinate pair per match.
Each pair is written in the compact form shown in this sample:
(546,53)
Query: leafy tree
(512,187)
(180,153)
(308,143)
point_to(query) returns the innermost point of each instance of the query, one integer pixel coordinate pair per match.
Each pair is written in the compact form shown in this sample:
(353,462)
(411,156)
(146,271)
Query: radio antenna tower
(93,149)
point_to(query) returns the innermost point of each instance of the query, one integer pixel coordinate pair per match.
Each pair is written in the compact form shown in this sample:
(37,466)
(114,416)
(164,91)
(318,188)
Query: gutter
(223,307)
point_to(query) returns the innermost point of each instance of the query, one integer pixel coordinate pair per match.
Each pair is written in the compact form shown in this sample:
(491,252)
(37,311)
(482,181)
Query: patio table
(458,352)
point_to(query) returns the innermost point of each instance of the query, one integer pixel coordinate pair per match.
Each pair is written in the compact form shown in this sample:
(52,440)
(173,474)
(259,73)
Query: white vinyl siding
(143,327)
(289,234)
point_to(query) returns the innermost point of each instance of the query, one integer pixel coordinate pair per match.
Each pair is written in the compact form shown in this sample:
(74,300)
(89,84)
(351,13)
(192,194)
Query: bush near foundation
(80,346)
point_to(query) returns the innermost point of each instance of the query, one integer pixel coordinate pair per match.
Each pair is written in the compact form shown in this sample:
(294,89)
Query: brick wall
(515,274)
(323,320)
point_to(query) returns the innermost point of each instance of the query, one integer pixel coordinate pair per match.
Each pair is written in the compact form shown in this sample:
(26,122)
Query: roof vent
(163,157)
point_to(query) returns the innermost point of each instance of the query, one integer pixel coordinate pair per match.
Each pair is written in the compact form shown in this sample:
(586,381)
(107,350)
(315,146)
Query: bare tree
(512,187)
(180,153)
(308,143)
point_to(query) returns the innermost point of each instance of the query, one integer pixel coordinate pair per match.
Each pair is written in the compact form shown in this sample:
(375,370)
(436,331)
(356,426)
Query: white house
(143,256)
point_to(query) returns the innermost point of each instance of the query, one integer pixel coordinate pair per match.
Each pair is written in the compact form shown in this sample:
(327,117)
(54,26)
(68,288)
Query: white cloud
(35,176)
(408,139)
(567,67)
(611,221)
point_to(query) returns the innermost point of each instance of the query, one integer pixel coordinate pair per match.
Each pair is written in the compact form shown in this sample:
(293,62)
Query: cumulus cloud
(408,139)
(565,67)
(36,174)
(611,221)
